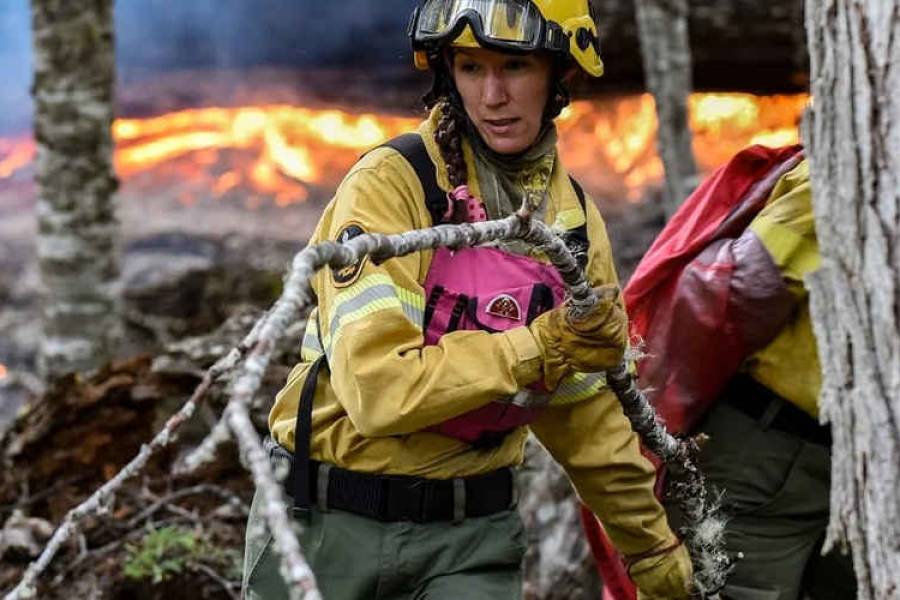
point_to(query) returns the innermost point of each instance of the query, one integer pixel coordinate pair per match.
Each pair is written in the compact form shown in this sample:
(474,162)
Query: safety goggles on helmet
(515,25)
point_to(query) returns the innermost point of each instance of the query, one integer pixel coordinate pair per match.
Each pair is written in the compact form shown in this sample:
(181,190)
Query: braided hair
(451,128)
(448,136)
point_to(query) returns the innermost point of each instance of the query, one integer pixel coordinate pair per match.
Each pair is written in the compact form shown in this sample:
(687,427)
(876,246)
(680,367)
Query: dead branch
(705,531)
(95,503)
(257,349)
(196,490)
(26,498)
(207,451)
(226,585)
(71,522)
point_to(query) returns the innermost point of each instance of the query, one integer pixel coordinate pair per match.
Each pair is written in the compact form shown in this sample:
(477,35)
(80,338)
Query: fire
(284,152)
(275,150)
(603,146)
(3,372)
(732,121)
(15,154)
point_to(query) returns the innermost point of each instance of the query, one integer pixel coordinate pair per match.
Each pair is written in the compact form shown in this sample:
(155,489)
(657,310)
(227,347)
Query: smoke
(15,66)
(161,35)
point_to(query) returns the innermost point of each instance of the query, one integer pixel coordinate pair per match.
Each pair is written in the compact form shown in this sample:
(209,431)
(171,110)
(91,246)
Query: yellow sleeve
(789,365)
(786,227)
(593,441)
(370,319)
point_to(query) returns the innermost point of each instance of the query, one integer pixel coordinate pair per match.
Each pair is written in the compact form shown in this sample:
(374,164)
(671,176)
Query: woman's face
(504,95)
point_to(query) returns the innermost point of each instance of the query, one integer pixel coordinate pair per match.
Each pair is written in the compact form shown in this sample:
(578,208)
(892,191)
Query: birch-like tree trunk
(73,82)
(853,137)
(665,46)
(559,564)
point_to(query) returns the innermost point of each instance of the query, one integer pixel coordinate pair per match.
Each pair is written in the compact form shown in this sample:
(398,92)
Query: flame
(611,147)
(283,152)
(15,154)
(287,148)
(3,371)
(725,123)
(603,146)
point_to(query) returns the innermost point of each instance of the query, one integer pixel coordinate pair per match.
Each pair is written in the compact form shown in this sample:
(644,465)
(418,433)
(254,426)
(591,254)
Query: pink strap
(475,211)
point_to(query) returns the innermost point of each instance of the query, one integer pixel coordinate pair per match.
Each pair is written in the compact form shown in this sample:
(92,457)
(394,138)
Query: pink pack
(491,290)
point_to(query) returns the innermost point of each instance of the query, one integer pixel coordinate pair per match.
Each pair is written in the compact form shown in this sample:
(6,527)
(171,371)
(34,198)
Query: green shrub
(161,554)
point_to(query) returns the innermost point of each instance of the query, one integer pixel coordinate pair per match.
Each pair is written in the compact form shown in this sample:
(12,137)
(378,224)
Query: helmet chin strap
(558,98)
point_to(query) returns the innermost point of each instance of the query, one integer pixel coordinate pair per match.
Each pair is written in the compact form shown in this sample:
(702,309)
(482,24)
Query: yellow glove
(664,576)
(595,342)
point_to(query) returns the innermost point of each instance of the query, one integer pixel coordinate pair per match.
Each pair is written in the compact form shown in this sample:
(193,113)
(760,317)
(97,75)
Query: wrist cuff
(527,368)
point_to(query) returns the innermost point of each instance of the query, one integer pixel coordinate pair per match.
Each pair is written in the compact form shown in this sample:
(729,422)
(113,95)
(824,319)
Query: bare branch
(260,344)
(71,522)
(227,586)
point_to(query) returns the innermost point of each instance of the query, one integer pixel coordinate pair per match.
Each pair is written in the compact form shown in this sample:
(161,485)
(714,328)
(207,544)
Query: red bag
(679,305)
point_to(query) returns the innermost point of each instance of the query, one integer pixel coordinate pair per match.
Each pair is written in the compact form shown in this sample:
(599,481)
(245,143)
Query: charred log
(741,45)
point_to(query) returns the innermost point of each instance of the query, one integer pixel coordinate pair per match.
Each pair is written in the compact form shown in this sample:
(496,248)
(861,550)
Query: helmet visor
(515,23)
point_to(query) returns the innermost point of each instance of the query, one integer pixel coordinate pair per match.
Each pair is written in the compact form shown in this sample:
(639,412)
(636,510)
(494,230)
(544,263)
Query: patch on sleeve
(347,275)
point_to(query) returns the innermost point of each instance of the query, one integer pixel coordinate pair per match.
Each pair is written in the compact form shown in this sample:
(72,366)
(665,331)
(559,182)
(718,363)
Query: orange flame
(292,147)
(615,147)
(15,154)
(281,151)
(3,371)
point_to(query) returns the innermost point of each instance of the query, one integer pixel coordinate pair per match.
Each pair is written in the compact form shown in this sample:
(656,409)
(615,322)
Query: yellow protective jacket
(789,364)
(384,386)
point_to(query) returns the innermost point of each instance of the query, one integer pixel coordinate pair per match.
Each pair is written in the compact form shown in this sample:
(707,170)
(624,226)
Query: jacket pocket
(448,310)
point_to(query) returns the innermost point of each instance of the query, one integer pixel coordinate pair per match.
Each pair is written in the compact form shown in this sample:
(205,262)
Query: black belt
(756,401)
(392,498)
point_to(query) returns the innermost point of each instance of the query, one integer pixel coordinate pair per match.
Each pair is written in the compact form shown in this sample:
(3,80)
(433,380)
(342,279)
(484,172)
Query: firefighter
(422,375)
(767,451)
(720,303)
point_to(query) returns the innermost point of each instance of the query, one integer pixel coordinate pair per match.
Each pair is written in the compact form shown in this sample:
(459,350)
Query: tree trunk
(73,82)
(853,137)
(744,45)
(559,564)
(663,32)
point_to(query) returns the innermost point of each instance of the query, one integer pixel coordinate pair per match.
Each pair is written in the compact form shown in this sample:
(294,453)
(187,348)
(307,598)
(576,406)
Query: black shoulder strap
(412,147)
(302,436)
(579,192)
(577,239)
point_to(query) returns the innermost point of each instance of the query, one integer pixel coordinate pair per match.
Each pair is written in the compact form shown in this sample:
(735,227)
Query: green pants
(777,496)
(356,557)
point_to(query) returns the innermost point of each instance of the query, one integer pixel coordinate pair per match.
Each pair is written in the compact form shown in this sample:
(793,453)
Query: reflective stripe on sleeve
(366,297)
(578,387)
(310,348)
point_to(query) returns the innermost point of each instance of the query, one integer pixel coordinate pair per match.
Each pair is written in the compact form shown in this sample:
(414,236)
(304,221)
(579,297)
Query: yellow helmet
(561,26)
